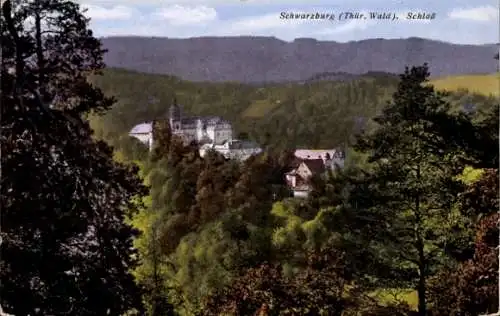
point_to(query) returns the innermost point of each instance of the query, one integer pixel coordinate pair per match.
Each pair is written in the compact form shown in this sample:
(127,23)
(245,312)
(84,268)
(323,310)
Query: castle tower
(174,113)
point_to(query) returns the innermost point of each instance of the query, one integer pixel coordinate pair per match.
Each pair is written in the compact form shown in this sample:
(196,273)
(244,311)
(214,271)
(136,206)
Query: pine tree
(66,247)
(411,188)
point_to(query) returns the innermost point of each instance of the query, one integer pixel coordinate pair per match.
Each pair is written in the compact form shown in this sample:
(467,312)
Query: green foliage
(471,288)
(318,291)
(470,175)
(203,262)
(321,114)
(211,217)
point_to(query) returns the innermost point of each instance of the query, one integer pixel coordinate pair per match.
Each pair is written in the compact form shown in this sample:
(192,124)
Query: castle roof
(176,109)
(142,128)
(315,153)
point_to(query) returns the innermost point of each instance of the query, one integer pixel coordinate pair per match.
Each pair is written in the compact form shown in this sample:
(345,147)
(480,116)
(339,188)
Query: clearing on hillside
(483,84)
(259,108)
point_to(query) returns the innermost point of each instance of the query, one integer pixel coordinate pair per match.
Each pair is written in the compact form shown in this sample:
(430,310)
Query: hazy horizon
(295,39)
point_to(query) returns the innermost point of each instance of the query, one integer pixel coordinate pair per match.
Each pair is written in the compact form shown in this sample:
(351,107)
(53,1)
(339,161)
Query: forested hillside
(321,114)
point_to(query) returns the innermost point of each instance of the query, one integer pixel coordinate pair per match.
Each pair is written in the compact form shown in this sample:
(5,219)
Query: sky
(456,21)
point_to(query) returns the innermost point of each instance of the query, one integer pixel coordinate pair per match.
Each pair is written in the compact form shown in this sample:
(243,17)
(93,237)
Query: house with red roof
(298,179)
(309,163)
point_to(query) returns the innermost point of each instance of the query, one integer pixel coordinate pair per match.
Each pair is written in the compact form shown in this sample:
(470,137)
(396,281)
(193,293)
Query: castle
(203,130)
(210,132)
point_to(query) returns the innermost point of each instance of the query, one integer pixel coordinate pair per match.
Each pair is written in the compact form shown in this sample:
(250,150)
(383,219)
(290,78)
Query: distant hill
(483,84)
(268,59)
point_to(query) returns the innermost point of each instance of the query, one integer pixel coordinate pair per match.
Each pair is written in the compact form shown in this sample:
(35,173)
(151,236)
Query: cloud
(185,15)
(220,2)
(479,14)
(118,12)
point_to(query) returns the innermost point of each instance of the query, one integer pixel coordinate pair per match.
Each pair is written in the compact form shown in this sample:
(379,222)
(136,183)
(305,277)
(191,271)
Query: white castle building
(233,149)
(203,130)
(210,132)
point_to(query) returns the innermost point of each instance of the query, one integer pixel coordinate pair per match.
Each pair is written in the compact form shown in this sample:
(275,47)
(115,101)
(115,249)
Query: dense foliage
(66,247)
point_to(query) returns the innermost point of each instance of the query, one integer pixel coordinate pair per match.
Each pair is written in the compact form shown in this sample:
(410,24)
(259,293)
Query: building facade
(332,158)
(312,162)
(203,130)
(233,149)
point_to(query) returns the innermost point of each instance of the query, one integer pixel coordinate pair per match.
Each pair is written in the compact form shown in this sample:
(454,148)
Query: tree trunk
(39,55)
(422,262)
(422,289)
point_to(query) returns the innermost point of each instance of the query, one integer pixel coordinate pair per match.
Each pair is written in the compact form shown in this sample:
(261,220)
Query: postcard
(249,157)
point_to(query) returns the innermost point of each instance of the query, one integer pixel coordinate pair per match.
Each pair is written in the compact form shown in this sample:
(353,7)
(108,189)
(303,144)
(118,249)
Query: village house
(310,163)
(332,158)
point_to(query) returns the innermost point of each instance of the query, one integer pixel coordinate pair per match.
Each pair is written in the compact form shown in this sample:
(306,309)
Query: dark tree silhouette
(66,247)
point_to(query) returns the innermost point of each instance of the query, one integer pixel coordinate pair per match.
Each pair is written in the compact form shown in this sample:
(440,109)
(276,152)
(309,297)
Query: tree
(411,190)
(243,136)
(471,287)
(480,199)
(157,293)
(318,290)
(321,288)
(66,247)
(162,136)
